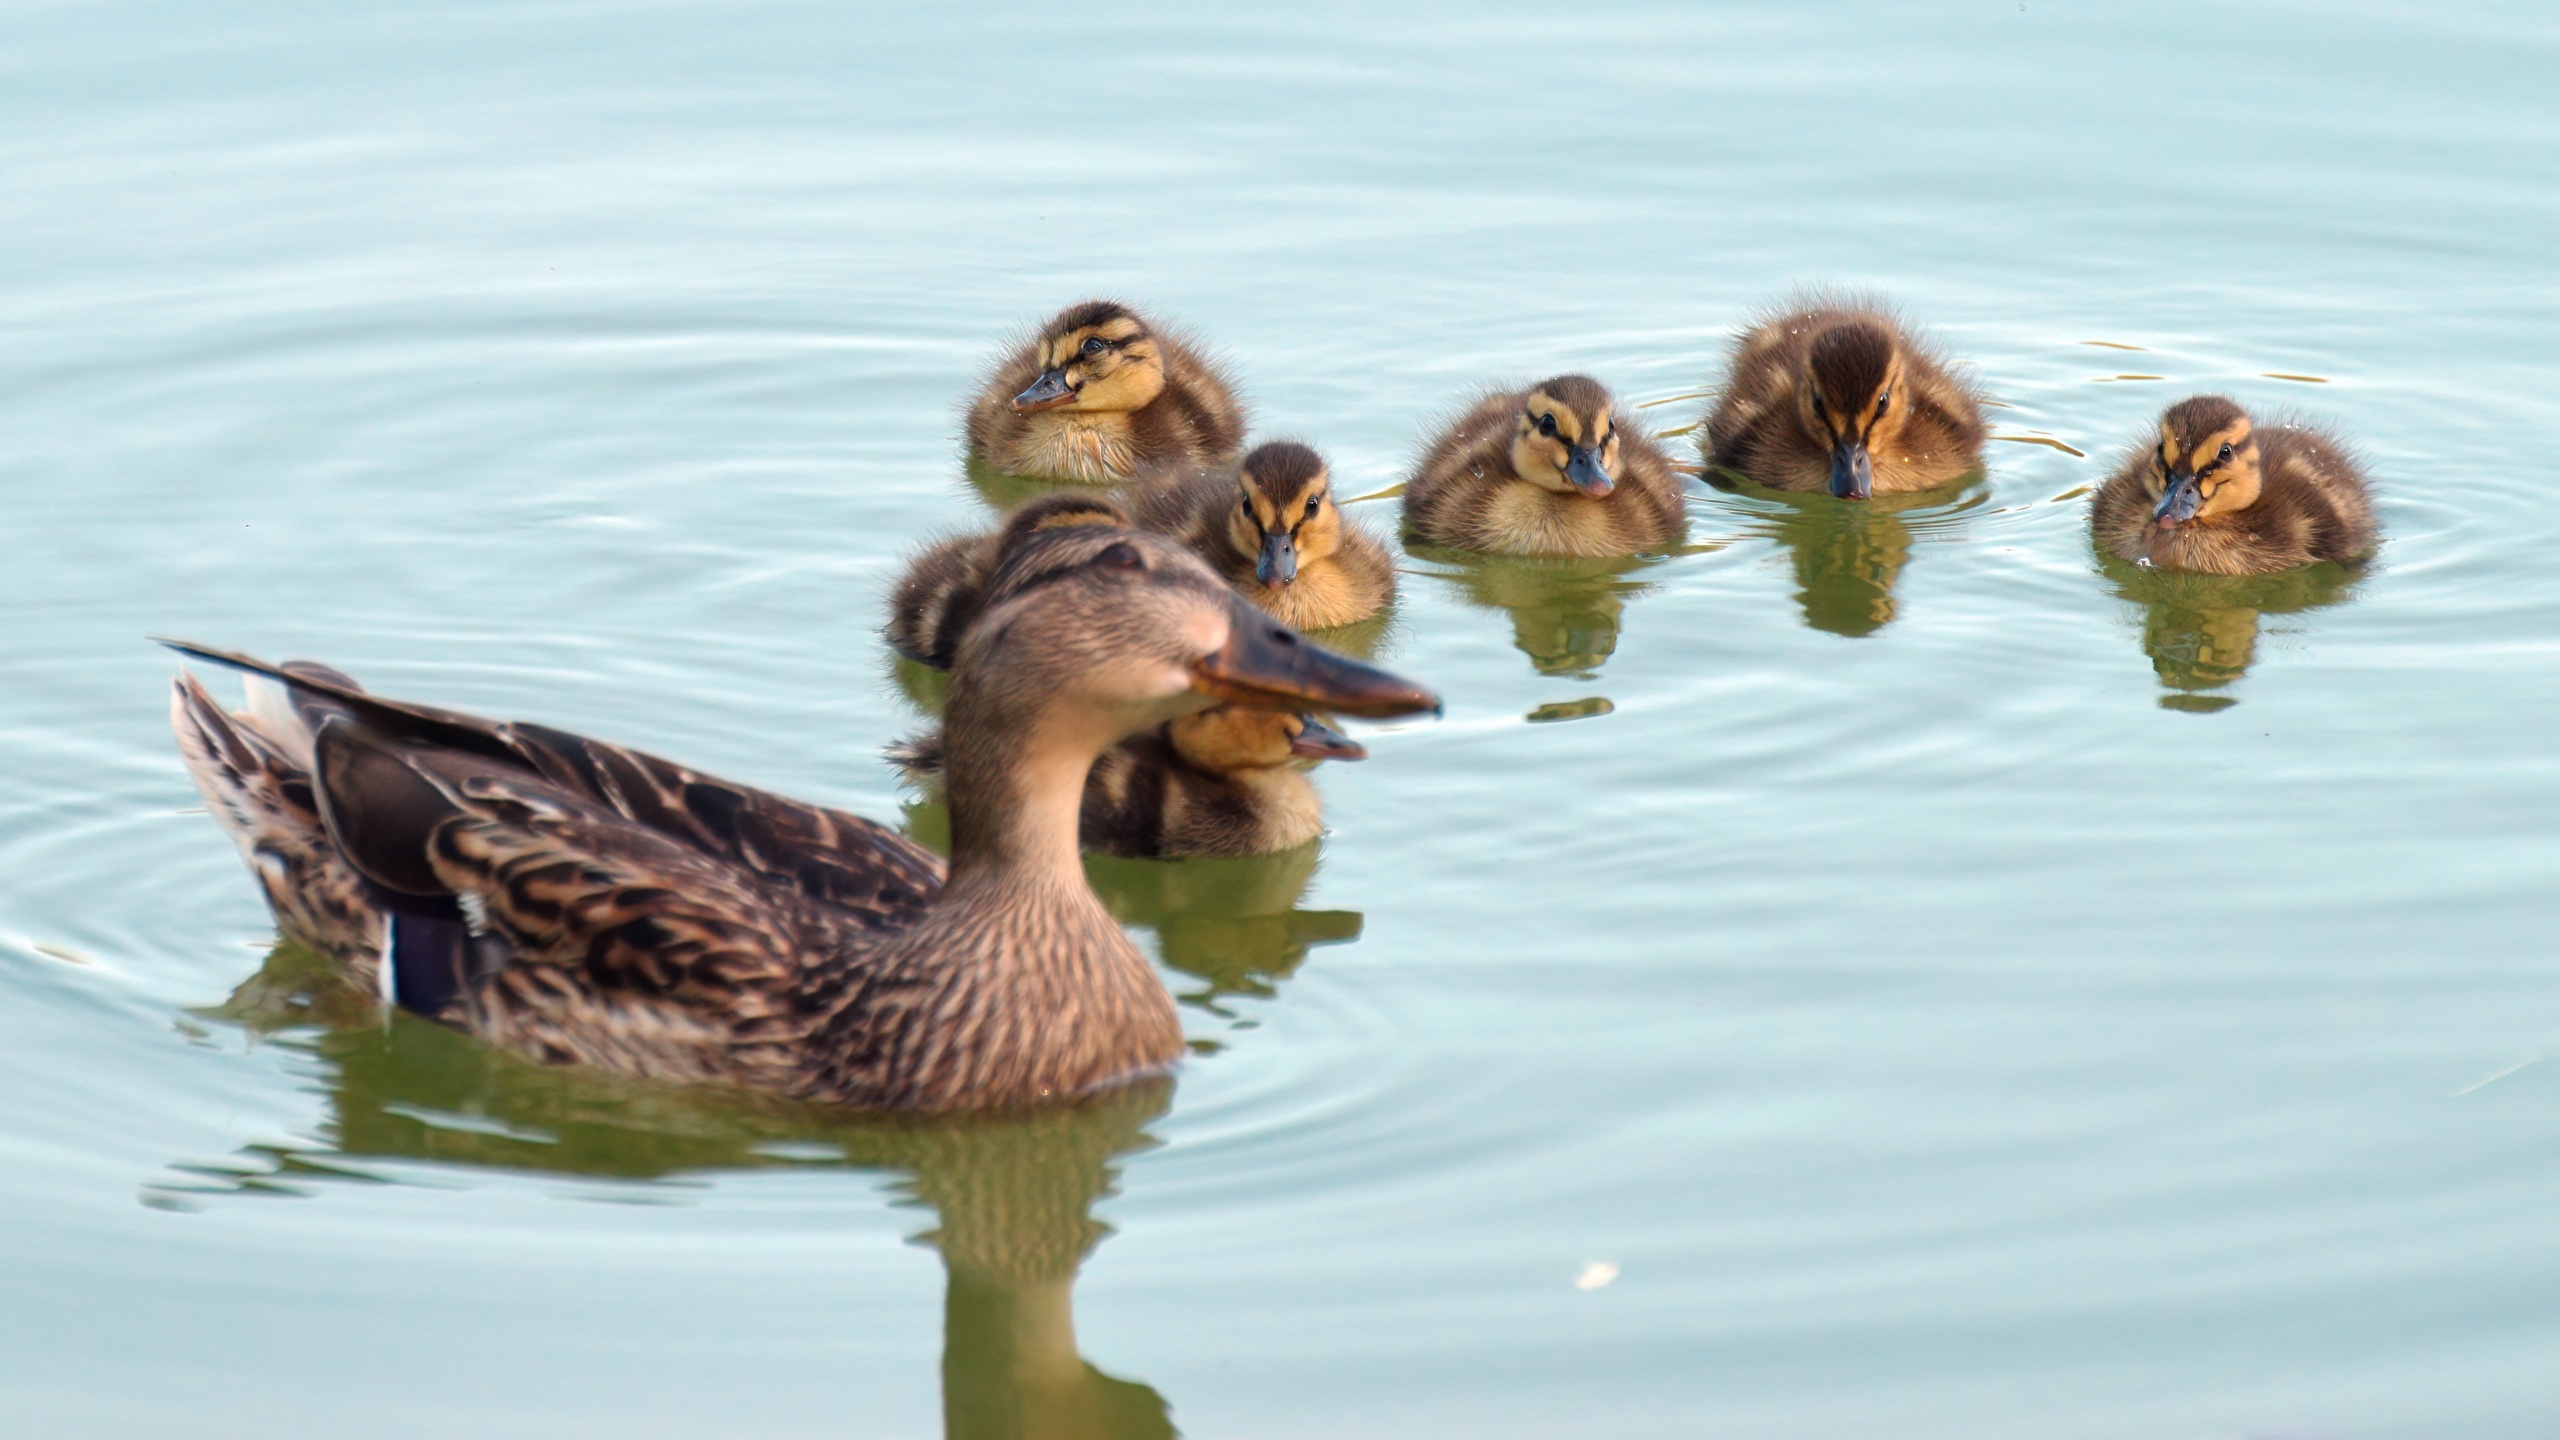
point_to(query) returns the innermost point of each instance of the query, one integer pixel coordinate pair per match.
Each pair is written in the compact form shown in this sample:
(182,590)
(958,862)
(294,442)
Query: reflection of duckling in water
(1545,471)
(1227,781)
(1847,558)
(2201,631)
(2219,495)
(1273,528)
(1098,393)
(1565,614)
(577,901)
(1233,923)
(1829,395)
(1012,1195)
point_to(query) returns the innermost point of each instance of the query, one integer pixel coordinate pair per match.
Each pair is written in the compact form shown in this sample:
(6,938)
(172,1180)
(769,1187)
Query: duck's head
(2206,464)
(1103,631)
(1567,438)
(1851,397)
(1284,516)
(1097,356)
(1233,737)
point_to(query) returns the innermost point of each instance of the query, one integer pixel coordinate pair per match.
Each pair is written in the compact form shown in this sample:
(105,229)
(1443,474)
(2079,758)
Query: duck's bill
(2178,504)
(1269,666)
(1318,741)
(1278,563)
(1853,475)
(1048,392)
(1583,473)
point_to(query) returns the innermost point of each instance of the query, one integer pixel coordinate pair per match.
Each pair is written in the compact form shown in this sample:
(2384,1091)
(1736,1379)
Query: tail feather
(260,792)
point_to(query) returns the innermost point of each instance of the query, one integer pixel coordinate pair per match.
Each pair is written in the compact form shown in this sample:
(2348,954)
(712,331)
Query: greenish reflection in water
(1565,613)
(1012,1195)
(1848,556)
(2201,631)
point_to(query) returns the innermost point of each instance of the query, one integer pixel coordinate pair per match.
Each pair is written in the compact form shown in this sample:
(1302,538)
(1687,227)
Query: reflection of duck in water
(1847,558)
(2217,494)
(573,900)
(1565,614)
(1546,471)
(1012,1195)
(1838,397)
(1098,393)
(2201,631)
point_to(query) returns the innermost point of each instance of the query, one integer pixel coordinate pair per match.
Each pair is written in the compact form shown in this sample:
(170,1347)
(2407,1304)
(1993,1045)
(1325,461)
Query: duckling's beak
(1279,563)
(1583,473)
(1319,741)
(1269,666)
(1048,392)
(1853,475)
(2177,503)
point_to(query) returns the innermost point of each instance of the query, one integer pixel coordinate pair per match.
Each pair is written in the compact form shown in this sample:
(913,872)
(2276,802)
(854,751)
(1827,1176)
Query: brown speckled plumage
(1495,480)
(629,913)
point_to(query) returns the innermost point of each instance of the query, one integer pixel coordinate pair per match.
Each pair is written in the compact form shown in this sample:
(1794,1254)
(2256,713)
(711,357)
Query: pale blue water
(1943,1035)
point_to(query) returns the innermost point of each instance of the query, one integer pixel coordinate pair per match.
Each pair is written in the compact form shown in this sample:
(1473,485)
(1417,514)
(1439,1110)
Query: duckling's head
(1851,397)
(2206,464)
(1284,516)
(1567,438)
(1092,632)
(1227,738)
(1097,356)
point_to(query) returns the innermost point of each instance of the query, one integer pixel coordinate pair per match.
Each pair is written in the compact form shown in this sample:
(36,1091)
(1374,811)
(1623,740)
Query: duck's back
(2315,494)
(1197,418)
(1451,485)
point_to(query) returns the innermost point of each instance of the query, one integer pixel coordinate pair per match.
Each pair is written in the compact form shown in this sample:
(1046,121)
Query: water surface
(1965,990)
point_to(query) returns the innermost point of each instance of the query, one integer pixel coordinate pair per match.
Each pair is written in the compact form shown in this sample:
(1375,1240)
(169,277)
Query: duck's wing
(877,877)
(595,937)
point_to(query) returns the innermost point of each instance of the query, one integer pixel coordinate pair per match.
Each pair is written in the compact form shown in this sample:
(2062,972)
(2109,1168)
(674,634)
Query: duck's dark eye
(1546,424)
(1314,503)
(2226,452)
(1120,555)
(1883,398)
(1818,407)
(1093,345)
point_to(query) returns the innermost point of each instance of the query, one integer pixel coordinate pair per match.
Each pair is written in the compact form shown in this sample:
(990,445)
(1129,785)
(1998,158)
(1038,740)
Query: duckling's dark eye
(1818,407)
(2226,452)
(1546,424)
(1883,398)
(1093,345)
(1314,502)
(1120,555)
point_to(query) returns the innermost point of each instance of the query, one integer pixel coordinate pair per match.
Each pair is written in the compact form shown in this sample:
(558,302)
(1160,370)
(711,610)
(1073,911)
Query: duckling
(1272,525)
(938,596)
(1099,392)
(1225,781)
(576,901)
(2219,495)
(1834,394)
(1545,471)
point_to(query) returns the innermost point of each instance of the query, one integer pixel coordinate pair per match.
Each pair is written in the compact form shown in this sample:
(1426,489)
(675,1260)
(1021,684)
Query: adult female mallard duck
(577,901)
(1218,782)
(1272,526)
(1838,395)
(1097,393)
(2215,493)
(1545,471)
(1228,780)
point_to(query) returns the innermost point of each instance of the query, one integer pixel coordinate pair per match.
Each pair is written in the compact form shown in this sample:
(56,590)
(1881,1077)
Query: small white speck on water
(1595,1275)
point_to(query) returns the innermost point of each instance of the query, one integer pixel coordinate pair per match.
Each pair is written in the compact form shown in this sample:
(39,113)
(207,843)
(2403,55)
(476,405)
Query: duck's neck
(1015,788)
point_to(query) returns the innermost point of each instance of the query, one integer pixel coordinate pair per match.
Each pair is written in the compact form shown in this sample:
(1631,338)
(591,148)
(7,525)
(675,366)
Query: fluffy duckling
(1096,394)
(1839,396)
(1226,781)
(1545,471)
(572,900)
(2219,495)
(1273,527)
(938,596)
